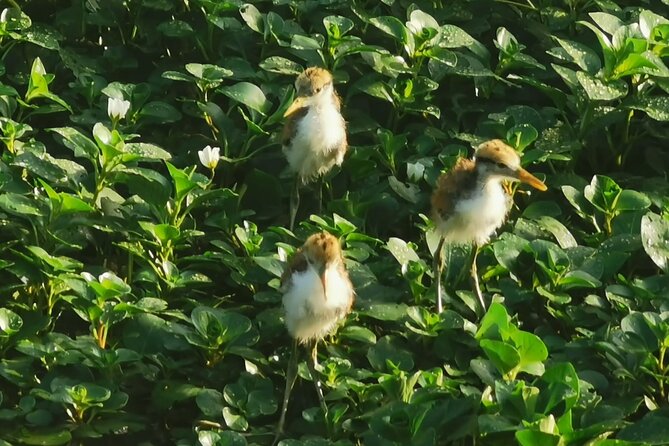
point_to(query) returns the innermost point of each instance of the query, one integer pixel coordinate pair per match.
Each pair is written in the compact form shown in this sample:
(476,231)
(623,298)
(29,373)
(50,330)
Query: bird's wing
(460,177)
(344,274)
(297,263)
(290,127)
(337,100)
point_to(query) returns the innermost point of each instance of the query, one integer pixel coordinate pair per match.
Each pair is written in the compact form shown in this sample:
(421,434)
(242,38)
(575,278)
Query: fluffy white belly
(320,132)
(308,314)
(475,219)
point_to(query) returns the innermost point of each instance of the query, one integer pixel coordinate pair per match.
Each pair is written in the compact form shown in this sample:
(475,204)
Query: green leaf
(657,107)
(655,239)
(652,429)
(384,312)
(504,356)
(208,72)
(631,200)
(281,65)
(608,22)
(639,325)
(249,95)
(602,192)
(147,152)
(175,28)
(337,26)
(521,135)
(386,350)
(165,234)
(533,438)
(561,233)
(357,333)
(507,248)
(210,402)
(455,37)
(158,112)
(648,20)
(252,17)
(402,252)
(235,421)
(300,42)
(20,205)
(81,145)
(563,386)
(599,90)
(183,183)
(393,27)
(531,350)
(582,55)
(53,436)
(494,323)
(408,191)
(605,44)
(10,322)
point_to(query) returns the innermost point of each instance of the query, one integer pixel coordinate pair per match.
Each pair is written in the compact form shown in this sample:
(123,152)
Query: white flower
(117,108)
(3,16)
(209,156)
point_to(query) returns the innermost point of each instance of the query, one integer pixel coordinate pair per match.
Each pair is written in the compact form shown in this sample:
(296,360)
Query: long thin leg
(475,276)
(436,270)
(294,202)
(312,362)
(319,193)
(291,375)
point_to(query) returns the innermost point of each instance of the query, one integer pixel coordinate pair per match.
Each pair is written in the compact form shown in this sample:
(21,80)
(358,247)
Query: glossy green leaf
(655,239)
(249,95)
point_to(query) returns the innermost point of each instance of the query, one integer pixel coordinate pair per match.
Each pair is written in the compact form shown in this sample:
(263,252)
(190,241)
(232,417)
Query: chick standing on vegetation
(317,296)
(469,203)
(314,135)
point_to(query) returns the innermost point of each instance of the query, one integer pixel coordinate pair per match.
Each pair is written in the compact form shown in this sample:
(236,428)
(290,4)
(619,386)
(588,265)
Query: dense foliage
(138,288)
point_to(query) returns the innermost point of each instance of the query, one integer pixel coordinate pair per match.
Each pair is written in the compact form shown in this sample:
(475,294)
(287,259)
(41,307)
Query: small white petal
(209,156)
(117,108)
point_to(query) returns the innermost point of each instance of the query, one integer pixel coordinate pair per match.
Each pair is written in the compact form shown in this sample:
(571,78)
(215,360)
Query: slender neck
(484,178)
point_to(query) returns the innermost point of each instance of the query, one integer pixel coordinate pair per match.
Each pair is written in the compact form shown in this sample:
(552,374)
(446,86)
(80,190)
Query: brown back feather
(448,185)
(290,127)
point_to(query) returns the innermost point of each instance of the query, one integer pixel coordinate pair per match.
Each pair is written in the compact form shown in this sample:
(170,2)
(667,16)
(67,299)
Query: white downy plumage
(479,217)
(310,314)
(320,132)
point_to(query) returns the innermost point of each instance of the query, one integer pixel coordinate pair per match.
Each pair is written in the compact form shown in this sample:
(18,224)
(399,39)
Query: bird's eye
(501,165)
(318,90)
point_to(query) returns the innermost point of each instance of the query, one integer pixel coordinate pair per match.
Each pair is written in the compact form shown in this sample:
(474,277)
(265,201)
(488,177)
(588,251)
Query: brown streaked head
(496,151)
(496,158)
(322,250)
(310,83)
(312,80)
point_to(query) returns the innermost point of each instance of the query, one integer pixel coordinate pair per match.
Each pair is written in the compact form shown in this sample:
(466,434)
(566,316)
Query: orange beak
(526,177)
(298,103)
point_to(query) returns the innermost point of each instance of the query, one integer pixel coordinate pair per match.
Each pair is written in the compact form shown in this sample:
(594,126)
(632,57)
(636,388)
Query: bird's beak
(298,103)
(321,274)
(526,177)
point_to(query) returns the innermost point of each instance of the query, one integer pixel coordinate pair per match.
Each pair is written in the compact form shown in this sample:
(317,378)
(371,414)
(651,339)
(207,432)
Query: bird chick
(317,295)
(316,287)
(469,203)
(314,135)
